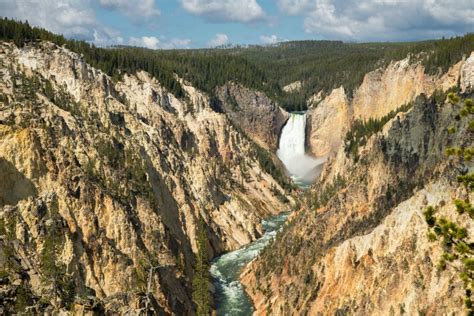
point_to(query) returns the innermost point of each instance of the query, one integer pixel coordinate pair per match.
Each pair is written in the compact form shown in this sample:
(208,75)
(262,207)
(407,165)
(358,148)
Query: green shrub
(320,65)
(320,199)
(53,271)
(455,239)
(201,278)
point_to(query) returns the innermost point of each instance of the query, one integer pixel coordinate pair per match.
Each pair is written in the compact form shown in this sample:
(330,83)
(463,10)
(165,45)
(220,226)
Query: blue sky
(207,23)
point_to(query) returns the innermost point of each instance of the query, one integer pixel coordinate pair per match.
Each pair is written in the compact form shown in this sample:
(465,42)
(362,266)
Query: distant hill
(320,65)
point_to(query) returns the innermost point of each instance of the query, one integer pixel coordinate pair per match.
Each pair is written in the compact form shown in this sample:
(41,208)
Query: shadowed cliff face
(258,116)
(364,249)
(14,185)
(109,179)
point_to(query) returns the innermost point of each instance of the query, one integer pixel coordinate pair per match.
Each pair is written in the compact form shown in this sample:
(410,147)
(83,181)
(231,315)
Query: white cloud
(107,37)
(137,9)
(225,10)
(269,39)
(294,7)
(178,43)
(382,19)
(451,12)
(150,42)
(153,42)
(77,19)
(218,40)
(69,17)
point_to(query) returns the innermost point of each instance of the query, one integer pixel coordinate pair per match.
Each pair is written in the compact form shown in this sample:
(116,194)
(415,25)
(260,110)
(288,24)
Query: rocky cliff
(361,247)
(327,122)
(382,91)
(105,184)
(257,115)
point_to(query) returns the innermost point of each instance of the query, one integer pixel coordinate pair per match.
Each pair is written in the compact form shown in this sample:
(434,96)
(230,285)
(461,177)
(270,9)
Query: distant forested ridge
(325,65)
(320,65)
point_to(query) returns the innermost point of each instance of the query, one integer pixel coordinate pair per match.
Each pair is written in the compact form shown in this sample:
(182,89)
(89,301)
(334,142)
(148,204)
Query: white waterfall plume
(291,150)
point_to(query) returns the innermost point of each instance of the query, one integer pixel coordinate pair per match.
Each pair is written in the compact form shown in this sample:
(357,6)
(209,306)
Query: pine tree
(201,273)
(320,65)
(458,250)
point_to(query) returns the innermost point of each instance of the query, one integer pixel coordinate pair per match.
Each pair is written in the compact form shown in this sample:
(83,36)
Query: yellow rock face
(327,122)
(364,251)
(126,170)
(381,92)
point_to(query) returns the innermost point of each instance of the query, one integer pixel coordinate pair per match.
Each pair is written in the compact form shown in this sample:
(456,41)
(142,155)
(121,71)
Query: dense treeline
(208,70)
(114,62)
(320,65)
(205,71)
(325,65)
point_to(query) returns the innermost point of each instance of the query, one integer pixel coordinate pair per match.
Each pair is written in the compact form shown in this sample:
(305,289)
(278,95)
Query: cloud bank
(153,42)
(350,20)
(72,18)
(269,39)
(218,40)
(76,19)
(136,9)
(225,10)
(382,19)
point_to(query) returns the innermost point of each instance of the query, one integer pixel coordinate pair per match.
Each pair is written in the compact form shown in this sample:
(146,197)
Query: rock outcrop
(104,185)
(467,75)
(382,91)
(293,87)
(327,122)
(258,116)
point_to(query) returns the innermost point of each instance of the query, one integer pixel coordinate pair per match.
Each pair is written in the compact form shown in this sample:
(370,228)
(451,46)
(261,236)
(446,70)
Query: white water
(291,151)
(230,296)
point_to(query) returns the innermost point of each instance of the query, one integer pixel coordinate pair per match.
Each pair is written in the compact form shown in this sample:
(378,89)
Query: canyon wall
(327,122)
(117,177)
(258,116)
(365,251)
(382,91)
(360,248)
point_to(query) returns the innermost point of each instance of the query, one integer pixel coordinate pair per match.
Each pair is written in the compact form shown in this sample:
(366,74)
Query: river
(230,297)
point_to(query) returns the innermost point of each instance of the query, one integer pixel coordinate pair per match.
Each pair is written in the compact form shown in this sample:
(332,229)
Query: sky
(167,24)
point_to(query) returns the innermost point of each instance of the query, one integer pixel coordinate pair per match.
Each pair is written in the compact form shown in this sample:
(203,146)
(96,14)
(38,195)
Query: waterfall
(292,138)
(291,151)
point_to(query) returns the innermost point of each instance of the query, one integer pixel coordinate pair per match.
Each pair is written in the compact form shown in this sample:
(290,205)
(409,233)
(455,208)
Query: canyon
(362,248)
(113,187)
(121,173)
